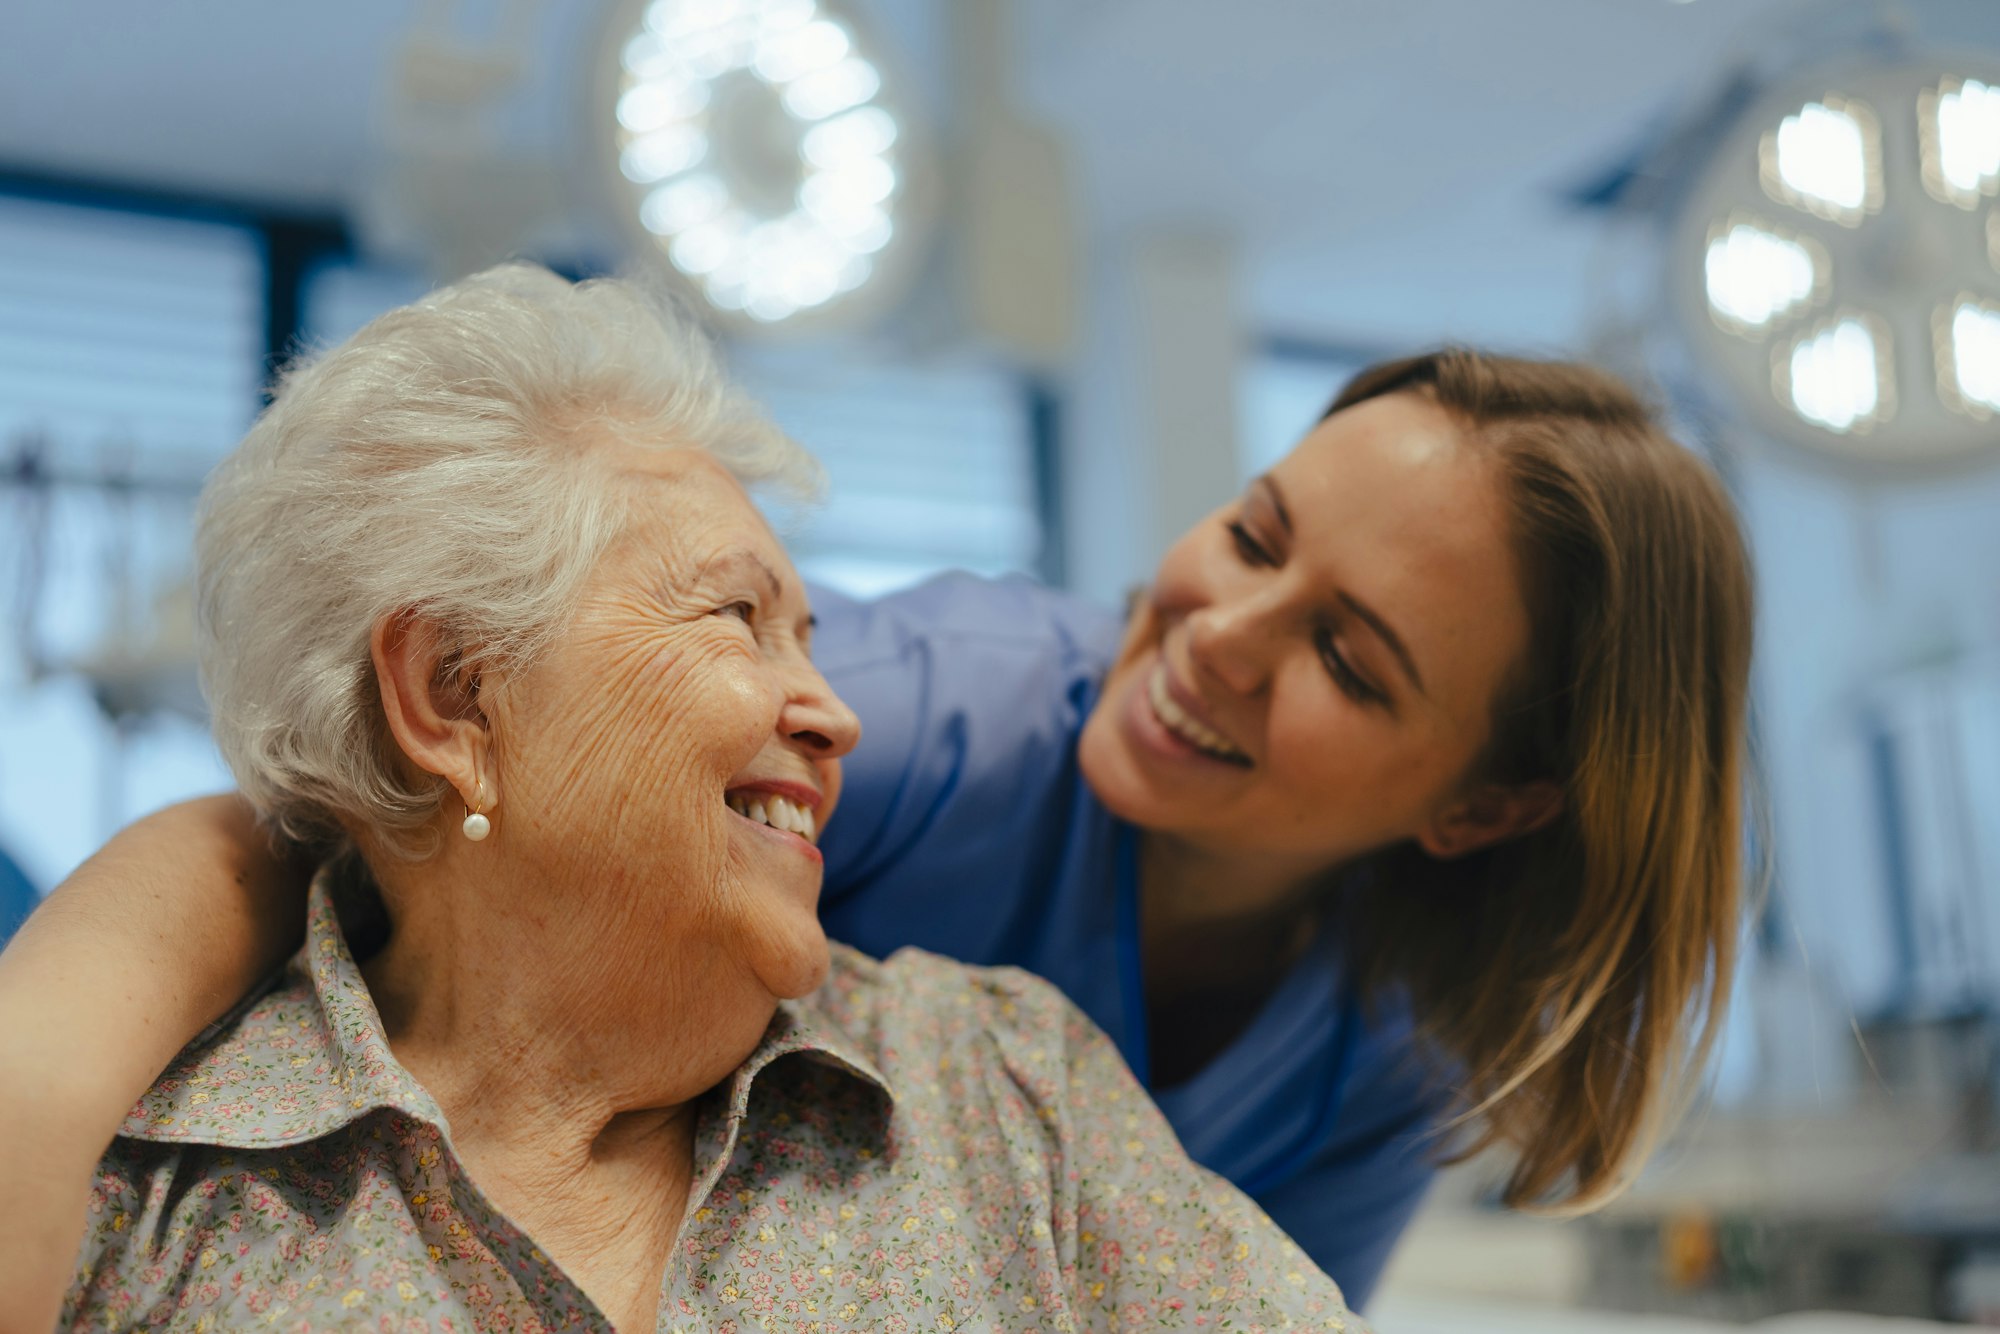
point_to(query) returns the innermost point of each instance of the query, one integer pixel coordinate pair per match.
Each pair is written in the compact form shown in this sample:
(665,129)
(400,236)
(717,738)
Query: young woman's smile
(1170,720)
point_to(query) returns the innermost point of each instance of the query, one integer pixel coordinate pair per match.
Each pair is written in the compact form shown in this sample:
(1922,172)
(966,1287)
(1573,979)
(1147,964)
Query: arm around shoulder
(125,962)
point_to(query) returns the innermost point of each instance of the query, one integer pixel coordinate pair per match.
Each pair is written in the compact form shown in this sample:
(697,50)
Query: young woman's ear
(1489,815)
(431,701)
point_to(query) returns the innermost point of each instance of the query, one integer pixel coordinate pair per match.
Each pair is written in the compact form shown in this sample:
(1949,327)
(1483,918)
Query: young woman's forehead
(1398,432)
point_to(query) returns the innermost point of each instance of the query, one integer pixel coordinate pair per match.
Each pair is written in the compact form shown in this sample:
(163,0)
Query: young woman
(1400,818)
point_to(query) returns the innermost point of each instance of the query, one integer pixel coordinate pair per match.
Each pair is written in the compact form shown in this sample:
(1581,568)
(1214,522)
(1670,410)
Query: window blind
(127,333)
(930,468)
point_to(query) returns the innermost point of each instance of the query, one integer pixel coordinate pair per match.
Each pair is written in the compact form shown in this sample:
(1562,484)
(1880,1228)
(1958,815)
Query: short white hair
(436,462)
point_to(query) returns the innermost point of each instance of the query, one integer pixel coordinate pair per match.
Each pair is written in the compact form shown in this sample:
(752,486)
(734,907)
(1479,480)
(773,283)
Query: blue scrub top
(966,828)
(17,897)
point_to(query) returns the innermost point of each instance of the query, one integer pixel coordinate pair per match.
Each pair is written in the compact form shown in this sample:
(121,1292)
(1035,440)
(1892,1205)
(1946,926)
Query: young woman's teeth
(775,811)
(1177,720)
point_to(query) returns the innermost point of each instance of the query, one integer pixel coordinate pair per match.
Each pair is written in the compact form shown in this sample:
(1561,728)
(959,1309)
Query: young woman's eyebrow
(1277,499)
(1366,614)
(1369,617)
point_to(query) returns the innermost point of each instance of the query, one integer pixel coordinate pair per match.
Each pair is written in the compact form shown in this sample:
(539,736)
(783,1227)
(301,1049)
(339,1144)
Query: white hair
(436,462)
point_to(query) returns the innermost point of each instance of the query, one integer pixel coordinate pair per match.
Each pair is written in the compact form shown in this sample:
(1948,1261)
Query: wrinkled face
(1313,672)
(670,761)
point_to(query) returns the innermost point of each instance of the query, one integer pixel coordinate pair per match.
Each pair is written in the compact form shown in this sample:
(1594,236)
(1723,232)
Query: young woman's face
(1312,674)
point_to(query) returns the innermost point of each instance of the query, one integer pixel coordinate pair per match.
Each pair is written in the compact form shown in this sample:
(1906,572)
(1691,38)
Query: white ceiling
(1390,170)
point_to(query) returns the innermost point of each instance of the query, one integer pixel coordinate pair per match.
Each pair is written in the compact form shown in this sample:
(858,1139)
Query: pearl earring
(476,825)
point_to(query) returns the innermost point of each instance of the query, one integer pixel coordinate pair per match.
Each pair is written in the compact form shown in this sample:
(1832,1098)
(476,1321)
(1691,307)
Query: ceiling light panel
(1826,159)
(1756,273)
(1959,127)
(1968,356)
(760,158)
(1840,376)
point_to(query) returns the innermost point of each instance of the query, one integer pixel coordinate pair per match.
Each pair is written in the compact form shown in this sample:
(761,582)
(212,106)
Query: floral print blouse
(920,1146)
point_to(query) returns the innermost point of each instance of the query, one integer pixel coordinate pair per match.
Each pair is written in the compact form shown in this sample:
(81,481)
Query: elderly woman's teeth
(776,811)
(1180,723)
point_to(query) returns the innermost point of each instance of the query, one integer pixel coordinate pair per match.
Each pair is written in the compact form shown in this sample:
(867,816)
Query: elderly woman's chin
(773,923)
(791,955)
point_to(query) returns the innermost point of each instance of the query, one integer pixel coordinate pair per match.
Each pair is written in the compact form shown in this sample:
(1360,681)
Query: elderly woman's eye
(742,610)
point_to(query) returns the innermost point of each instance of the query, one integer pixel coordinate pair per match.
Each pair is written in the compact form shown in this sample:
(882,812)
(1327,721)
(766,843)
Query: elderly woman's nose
(819,719)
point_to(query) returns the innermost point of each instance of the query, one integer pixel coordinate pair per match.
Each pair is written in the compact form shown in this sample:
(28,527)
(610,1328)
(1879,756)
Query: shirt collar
(309,1056)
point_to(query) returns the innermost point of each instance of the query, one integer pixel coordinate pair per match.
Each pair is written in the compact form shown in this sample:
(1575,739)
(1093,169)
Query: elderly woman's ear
(430,699)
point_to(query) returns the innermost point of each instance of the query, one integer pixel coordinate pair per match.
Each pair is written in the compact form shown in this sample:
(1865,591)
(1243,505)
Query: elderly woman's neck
(526,1032)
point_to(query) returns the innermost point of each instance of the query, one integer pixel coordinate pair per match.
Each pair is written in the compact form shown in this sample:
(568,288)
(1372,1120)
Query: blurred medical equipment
(1824,229)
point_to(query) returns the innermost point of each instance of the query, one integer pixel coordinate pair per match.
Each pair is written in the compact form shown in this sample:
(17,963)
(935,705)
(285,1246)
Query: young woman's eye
(1350,681)
(1249,548)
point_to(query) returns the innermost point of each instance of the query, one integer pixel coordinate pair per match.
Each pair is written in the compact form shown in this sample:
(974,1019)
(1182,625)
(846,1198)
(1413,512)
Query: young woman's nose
(1232,643)
(818,719)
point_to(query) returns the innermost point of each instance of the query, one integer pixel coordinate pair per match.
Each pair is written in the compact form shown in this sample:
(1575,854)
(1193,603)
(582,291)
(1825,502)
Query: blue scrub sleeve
(17,897)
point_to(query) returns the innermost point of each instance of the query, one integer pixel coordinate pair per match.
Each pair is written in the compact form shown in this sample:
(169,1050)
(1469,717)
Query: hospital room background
(1041,280)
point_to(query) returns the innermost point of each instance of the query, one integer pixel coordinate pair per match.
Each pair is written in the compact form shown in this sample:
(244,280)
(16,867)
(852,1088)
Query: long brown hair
(1575,978)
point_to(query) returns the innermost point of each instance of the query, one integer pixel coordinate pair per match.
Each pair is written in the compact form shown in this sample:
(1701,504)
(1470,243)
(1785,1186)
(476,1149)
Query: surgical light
(1754,275)
(1826,159)
(1835,261)
(1839,377)
(1969,357)
(1959,129)
(756,151)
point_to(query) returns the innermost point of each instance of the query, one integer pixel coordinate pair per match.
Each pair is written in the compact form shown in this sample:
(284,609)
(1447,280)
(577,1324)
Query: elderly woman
(488,615)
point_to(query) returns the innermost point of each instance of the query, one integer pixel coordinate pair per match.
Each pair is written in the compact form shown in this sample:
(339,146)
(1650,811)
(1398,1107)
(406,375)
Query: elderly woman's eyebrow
(742,560)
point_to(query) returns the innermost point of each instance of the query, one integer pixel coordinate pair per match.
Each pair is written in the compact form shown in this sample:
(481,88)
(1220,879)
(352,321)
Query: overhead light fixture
(1826,159)
(1839,376)
(1755,273)
(1850,302)
(758,155)
(1959,132)
(1968,356)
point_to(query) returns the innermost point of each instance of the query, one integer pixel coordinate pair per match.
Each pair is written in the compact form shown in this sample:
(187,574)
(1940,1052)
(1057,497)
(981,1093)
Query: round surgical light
(759,155)
(1837,264)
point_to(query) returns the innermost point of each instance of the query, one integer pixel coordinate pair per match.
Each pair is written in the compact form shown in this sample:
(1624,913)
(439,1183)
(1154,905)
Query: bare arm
(150,941)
